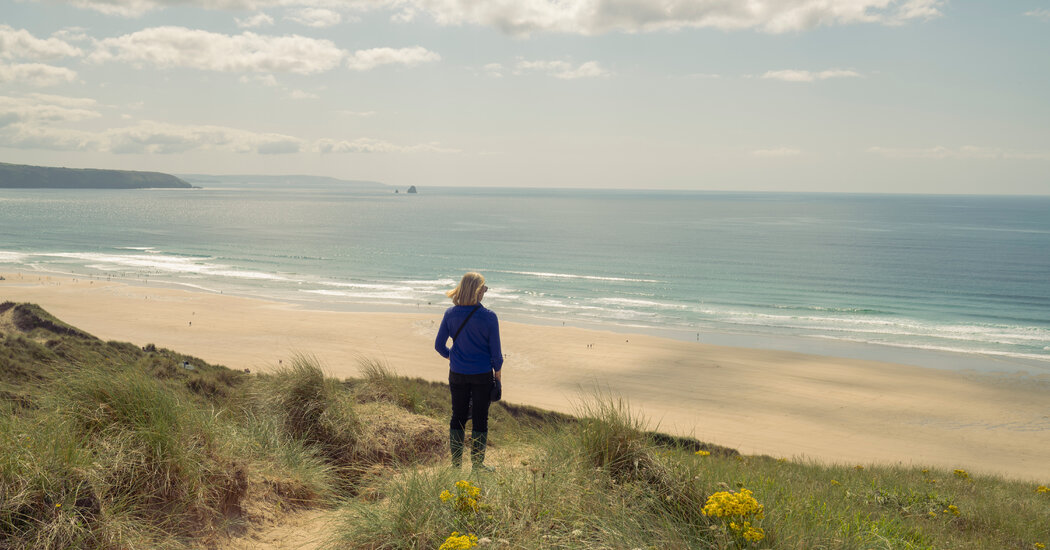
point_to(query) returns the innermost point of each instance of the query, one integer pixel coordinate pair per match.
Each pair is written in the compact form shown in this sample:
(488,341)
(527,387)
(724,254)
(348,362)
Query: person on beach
(475,361)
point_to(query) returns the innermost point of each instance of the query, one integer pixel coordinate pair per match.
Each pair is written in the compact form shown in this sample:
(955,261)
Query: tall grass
(604,482)
(313,410)
(105,445)
(113,449)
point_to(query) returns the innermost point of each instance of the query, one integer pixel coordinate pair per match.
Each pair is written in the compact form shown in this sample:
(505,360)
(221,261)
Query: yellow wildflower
(933,514)
(1040,545)
(455,541)
(466,497)
(1042,489)
(754,534)
(952,509)
(725,504)
(702,452)
(738,510)
(962,474)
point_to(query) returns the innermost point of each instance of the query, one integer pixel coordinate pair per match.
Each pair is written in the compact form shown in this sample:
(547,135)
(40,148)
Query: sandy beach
(761,402)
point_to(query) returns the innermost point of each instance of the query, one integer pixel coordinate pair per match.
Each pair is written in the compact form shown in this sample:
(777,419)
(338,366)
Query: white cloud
(33,130)
(316,17)
(135,8)
(941,152)
(369,145)
(165,47)
(1041,13)
(38,108)
(362,114)
(265,79)
(778,152)
(163,138)
(917,9)
(809,76)
(562,69)
(588,17)
(495,70)
(21,44)
(300,94)
(255,21)
(72,34)
(27,136)
(36,74)
(590,69)
(365,60)
(28,122)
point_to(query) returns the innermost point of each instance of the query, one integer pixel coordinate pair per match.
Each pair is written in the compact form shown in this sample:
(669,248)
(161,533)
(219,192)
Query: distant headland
(44,177)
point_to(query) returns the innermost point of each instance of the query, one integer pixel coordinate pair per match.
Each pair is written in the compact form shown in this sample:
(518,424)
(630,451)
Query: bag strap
(472,312)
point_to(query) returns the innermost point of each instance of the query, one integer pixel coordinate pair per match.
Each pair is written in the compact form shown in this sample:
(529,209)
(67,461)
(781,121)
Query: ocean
(944,281)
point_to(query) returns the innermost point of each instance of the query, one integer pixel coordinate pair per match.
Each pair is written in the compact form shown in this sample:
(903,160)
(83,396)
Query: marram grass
(602,483)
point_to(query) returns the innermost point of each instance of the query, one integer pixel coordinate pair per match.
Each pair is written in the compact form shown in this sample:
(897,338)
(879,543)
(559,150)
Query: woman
(475,361)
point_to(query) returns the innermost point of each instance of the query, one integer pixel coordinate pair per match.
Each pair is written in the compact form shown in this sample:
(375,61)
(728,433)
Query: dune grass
(604,482)
(106,445)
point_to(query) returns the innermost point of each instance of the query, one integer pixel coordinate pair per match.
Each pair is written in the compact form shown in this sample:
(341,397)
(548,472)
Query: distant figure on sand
(475,361)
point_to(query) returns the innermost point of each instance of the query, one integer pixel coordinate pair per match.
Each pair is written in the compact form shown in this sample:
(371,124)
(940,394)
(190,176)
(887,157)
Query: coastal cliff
(43,177)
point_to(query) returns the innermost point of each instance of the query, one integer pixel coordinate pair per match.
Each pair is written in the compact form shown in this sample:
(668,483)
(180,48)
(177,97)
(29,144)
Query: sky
(898,96)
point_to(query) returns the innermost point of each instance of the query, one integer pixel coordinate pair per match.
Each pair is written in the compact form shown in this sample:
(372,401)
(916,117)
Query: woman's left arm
(495,350)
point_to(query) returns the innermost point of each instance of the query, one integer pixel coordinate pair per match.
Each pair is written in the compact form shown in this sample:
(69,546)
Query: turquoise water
(965,276)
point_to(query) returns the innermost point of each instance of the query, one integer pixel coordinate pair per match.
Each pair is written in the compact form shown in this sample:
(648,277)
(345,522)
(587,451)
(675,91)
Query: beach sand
(783,404)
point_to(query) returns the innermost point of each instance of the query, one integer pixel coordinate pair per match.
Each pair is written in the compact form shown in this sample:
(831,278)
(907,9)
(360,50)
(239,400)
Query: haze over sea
(944,281)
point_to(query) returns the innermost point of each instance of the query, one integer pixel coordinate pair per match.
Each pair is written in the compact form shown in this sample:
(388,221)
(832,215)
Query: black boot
(455,446)
(478,442)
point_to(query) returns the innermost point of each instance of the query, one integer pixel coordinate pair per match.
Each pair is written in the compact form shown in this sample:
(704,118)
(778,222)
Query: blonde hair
(468,292)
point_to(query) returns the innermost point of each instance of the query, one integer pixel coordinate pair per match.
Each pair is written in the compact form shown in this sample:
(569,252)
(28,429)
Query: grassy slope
(104,444)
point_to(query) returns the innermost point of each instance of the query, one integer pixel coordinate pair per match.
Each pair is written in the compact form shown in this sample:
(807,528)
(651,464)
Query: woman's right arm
(442,338)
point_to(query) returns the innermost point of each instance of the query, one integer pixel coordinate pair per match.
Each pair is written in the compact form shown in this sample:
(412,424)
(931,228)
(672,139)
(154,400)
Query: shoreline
(780,403)
(952,360)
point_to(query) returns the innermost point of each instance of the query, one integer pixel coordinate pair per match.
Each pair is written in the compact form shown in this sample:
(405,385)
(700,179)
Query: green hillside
(109,445)
(42,177)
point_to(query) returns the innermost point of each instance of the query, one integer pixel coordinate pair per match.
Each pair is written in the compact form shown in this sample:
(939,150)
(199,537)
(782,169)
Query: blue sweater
(477,349)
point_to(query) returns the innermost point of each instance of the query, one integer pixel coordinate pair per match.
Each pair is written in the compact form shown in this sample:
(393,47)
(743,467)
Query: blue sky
(932,96)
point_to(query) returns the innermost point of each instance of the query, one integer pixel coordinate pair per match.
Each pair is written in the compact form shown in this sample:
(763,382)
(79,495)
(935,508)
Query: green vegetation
(106,445)
(21,175)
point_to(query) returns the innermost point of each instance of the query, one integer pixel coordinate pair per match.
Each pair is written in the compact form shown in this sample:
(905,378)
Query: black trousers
(471,394)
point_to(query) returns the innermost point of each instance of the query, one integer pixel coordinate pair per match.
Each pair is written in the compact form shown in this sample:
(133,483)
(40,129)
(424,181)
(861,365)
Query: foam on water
(158,264)
(14,258)
(543,275)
